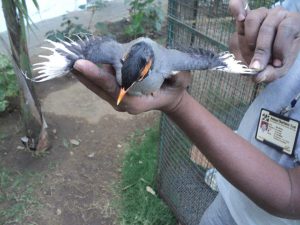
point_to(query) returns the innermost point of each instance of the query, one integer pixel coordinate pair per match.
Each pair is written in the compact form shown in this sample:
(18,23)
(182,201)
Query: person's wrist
(176,105)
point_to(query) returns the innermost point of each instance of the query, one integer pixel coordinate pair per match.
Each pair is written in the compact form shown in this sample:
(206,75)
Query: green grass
(136,205)
(17,197)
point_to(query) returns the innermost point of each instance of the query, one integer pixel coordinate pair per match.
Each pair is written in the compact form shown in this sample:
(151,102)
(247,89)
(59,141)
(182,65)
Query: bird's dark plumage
(134,63)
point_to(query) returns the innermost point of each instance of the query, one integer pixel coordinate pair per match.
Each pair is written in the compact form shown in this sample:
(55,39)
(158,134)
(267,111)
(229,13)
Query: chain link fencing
(182,170)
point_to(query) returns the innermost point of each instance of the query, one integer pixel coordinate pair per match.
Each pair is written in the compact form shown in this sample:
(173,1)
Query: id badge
(277,131)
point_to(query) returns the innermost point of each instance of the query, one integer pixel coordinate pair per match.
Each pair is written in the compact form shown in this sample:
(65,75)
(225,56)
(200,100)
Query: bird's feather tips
(58,63)
(233,65)
(64,53)
(174,72)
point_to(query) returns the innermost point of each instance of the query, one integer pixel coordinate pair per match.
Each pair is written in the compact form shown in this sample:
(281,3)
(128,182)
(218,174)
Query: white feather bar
(57,65)
(233,65)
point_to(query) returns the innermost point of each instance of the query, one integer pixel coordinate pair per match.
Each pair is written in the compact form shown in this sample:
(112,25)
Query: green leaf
(144,13)
(3,105)
(68,29)
(2,94)
(12,90)
(52,36)
(8,82)
(50,32)
(102,27)
(82,6)
(157,26)
(36,4)
(59,35)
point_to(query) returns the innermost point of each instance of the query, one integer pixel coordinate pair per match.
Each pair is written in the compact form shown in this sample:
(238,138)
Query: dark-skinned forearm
(262,180)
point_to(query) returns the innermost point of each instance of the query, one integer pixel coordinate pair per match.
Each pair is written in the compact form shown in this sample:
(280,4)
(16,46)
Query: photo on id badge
(264,126)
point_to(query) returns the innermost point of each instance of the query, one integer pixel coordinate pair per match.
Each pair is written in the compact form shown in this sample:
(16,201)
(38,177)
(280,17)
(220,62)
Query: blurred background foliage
(8,83)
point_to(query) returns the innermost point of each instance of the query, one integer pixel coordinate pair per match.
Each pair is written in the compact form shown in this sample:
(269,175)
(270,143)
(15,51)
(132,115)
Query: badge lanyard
(285,112)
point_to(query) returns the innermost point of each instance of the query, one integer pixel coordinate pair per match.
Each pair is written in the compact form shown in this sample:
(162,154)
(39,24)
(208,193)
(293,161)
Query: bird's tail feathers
(62,58)
(59,62)
(233,65)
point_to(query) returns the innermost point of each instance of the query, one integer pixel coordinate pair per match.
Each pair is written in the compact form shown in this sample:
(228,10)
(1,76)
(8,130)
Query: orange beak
(121,95)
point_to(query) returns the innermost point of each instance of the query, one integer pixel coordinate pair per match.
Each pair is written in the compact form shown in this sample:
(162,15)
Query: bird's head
(137,64)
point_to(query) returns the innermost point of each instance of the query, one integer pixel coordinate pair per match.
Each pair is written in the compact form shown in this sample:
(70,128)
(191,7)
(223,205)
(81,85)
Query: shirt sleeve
(290,5)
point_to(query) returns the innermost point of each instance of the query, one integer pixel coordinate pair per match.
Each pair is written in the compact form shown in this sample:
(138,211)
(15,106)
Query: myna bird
(141,65)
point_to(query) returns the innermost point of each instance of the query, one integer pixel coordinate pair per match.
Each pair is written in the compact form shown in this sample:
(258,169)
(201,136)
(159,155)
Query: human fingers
(131,104)
(98,76)
(239,47)
(104,85)
(265,38)
(165,99)
(245,50)
(253,24)
(94,88)
(238,9)
(271,73)
(287,30)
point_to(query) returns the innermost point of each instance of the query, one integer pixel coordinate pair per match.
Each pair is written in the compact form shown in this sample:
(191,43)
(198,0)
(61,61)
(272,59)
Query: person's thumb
(96,75)
(271,73)
(87,68)
(267,75)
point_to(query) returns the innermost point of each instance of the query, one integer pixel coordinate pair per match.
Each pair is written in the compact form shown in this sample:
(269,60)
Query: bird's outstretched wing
(65,53)
(107,50)
(201,59)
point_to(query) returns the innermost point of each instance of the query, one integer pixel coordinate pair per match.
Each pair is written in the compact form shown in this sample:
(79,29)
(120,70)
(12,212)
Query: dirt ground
(82,167)
(79,177)
(78,186)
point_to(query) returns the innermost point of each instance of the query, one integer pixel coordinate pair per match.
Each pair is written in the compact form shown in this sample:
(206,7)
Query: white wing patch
(233,65)
(174,72)
(57,64)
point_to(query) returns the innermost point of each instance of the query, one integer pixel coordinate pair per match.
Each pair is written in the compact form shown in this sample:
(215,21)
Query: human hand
(269,40)
(102,82)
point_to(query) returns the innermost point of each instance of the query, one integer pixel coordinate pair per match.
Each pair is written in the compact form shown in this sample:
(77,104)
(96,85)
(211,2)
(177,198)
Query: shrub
(8,83)
(145,15)
(69,29)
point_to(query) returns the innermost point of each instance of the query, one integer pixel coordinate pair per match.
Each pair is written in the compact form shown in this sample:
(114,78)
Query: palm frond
(36,4)
(21,5)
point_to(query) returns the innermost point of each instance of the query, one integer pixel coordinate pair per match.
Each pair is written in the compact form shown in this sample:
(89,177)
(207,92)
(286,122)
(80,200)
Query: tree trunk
(34,122)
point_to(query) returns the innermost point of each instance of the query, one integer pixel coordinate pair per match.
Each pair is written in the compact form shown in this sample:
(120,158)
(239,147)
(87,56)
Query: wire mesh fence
(182,178)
